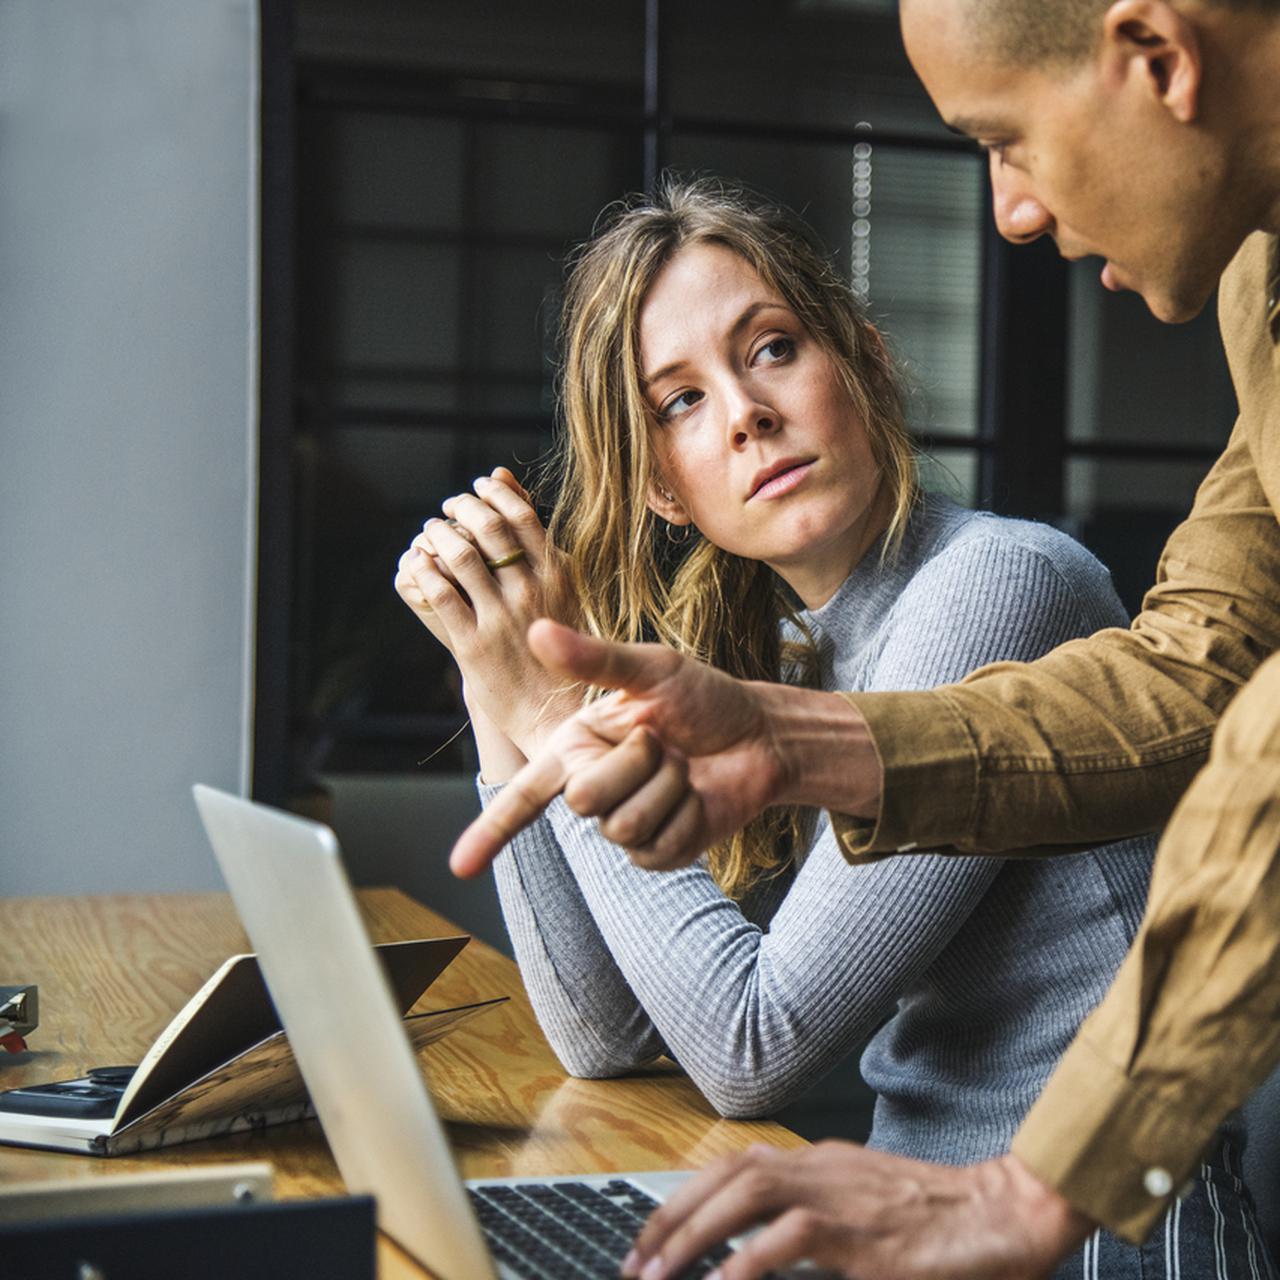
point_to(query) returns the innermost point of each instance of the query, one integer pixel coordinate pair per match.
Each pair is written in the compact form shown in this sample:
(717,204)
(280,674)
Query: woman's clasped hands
(476,580)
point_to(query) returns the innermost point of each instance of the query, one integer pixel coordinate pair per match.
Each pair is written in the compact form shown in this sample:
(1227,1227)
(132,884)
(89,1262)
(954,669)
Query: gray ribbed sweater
(983,967)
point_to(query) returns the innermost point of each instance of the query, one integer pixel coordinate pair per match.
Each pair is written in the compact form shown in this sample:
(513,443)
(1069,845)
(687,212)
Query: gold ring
(512,557)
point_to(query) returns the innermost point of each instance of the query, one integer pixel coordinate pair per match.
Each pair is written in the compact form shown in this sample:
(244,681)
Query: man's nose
(1020,217)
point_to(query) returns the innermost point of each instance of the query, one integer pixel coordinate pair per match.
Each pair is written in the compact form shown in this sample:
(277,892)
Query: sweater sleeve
(754,1017)
(591,1018)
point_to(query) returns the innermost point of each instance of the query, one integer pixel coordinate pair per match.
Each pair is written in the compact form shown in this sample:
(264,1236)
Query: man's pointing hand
(677,757)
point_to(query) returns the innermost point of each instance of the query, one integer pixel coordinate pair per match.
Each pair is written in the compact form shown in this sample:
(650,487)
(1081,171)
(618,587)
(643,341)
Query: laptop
(295,902)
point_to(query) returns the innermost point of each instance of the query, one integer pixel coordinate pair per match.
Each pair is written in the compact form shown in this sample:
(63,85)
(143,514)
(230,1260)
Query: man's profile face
(1084,153)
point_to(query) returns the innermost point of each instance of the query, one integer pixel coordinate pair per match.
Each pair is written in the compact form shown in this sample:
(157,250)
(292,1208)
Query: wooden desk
(112,971)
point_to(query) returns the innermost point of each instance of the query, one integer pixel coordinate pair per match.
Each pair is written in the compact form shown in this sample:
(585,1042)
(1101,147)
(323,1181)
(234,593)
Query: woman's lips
(783,482)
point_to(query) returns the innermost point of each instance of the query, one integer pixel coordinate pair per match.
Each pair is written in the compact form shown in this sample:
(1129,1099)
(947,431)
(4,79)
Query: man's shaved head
(1033,32)
(1141,132)
(1030,33)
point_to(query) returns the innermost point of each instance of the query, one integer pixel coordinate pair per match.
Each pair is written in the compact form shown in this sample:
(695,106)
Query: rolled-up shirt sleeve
(1099,739)
(1192,1023)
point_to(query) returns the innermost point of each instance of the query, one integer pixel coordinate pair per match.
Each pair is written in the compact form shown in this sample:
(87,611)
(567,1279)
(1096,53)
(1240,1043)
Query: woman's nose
(749,418)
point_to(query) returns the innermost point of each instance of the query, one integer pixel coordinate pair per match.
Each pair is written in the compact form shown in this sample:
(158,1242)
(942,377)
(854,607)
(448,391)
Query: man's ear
(1160,44)
(665,505)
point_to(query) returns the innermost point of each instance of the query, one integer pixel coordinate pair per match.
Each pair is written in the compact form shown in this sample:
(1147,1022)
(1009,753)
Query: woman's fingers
(487,528)
(424,544)
(500,517)
(464,560)
(407,587)
(431,595)
(504,475)
(512,503)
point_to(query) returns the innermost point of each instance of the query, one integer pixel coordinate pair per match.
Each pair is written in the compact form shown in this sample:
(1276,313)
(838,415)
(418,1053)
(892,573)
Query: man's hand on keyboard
(863,1214)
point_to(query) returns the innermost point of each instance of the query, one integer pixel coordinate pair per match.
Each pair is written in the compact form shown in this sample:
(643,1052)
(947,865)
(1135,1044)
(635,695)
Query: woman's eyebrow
(648,379)
(765,304)
(748,314)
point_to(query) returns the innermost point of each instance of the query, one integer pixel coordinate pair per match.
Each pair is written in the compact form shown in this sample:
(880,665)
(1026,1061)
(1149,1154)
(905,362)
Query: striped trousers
(1210,1234)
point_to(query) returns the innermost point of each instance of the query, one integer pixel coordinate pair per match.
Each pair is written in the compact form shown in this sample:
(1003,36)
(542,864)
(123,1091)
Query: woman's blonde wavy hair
(624,580)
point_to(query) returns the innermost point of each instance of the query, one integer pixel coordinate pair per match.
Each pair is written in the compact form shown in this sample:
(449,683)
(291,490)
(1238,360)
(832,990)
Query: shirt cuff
(1118,1154)
(930,765)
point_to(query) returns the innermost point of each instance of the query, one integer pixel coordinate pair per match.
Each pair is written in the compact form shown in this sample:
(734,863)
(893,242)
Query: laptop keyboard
(568,1230)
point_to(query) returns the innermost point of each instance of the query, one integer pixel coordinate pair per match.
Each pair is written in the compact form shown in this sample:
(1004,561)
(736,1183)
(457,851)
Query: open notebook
(222,1064)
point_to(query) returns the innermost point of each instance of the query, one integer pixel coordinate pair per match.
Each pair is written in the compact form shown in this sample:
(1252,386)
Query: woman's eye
(777,349)
(680,404)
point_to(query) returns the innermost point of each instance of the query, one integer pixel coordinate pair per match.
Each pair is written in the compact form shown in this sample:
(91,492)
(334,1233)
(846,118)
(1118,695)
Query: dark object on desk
(93,1097)
(291,1240)
(19,1016)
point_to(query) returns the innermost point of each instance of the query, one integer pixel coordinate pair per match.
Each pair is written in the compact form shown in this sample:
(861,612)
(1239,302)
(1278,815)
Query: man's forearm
(826,755)
(1099,739)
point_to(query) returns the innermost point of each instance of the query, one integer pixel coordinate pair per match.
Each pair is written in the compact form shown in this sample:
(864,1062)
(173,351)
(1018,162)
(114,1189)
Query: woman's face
(756,438)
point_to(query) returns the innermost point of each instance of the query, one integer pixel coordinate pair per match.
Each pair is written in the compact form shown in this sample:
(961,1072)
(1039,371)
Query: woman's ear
(665,505)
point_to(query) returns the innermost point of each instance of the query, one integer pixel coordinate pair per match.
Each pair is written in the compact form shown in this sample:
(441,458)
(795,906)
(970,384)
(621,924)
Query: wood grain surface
(112,971)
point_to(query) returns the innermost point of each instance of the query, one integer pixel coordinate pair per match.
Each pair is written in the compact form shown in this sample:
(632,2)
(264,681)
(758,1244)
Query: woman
(738,483)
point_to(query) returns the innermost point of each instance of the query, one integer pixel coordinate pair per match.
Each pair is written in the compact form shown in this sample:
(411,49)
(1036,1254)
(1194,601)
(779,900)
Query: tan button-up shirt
(1102,739)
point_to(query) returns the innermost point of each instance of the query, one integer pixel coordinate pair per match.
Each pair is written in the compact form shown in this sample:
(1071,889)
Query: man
(1146,132)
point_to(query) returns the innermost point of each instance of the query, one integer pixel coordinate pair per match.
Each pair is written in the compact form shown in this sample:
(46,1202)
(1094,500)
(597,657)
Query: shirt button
(1158,1182)
(906,848)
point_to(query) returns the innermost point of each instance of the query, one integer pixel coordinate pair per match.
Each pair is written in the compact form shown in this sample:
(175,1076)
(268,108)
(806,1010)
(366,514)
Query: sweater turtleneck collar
(853,615)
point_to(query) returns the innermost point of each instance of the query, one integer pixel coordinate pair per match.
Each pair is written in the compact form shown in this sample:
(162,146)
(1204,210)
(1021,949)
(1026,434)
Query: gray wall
(128,140)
